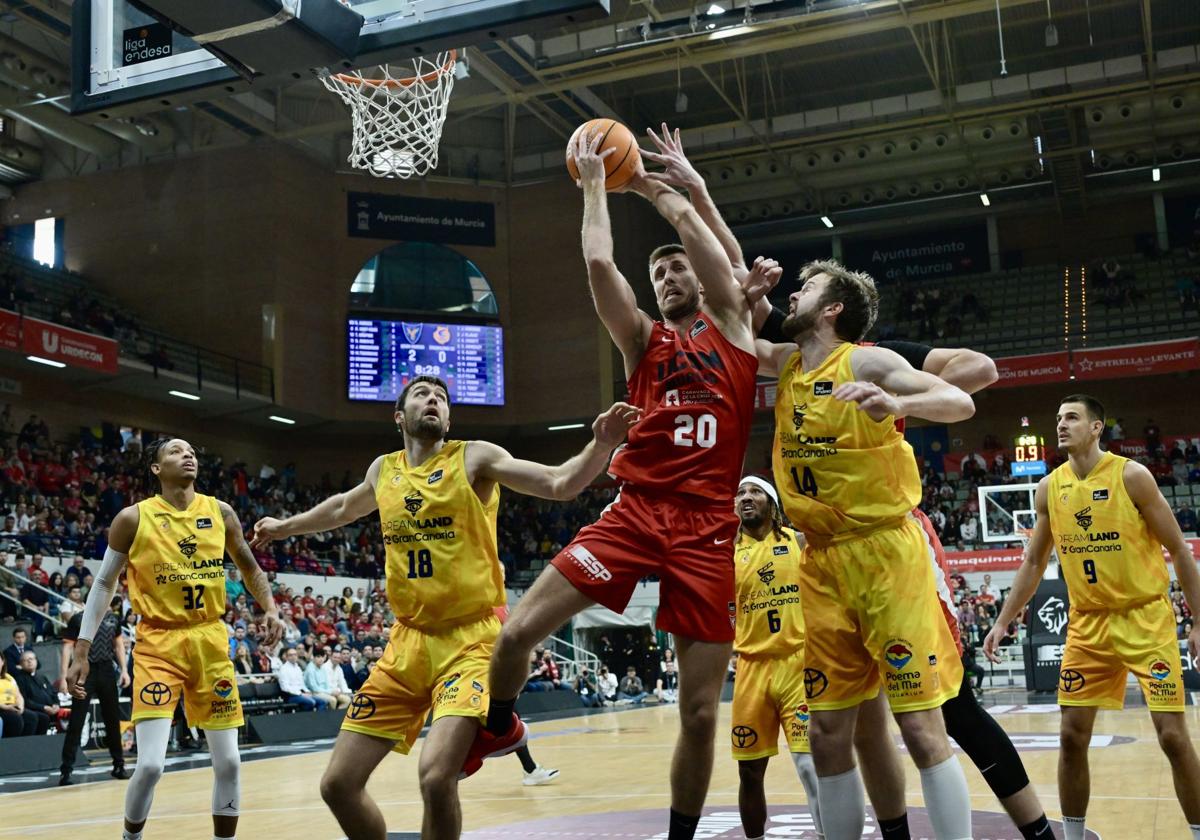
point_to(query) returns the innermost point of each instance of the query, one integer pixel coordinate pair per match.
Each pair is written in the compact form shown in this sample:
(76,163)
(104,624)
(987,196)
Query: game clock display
(385,355)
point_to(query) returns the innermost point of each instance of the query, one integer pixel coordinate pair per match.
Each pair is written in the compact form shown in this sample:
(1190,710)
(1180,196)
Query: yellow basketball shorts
(192,662)
(768,694)
(446,671)
(1103,646)
(873,618)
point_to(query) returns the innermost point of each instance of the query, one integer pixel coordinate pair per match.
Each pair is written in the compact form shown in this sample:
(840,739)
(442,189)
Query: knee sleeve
(986,743)
(152,736)
(227,763)
(807,771)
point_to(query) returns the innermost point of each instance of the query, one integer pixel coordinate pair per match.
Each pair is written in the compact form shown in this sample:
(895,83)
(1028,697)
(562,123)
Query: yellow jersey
(176,569)
(840,474)
(767,585)
(1108,556)
(443,567)
(8,690)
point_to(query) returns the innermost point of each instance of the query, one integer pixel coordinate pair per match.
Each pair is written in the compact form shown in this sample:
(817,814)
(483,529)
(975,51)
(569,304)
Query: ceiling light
(714,10)
(565,426)
(183,395)
(1156,175)
(681,102)
(48,362)
(828,222)
(987,202)
(287,421)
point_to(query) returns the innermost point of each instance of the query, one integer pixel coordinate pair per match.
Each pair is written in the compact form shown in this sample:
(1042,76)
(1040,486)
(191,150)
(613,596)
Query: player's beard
(423,427)
(681,307)
(800,324)
(753,521)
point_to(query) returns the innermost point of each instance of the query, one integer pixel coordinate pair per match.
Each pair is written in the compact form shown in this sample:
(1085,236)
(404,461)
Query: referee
(108,648)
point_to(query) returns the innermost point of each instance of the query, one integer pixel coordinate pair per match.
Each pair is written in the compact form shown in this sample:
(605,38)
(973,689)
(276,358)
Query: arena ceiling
(793,108)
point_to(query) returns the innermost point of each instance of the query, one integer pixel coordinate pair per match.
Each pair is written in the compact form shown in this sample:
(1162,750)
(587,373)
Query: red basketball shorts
(941,574)
(687,542)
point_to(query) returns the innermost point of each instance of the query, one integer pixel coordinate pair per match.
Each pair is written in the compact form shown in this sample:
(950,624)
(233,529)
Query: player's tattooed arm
(334,512)
(492,463)
(889,386)
(1033,566)
(1144,492)
(612,295)
(253,575)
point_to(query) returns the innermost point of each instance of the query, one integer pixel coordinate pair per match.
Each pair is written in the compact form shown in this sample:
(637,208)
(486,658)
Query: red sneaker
(487,746)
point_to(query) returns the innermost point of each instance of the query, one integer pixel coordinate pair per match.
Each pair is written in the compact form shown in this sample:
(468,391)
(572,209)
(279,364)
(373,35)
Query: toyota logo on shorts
(1070,680)
(361,707)
(744,736)
(155,694)
(815,683)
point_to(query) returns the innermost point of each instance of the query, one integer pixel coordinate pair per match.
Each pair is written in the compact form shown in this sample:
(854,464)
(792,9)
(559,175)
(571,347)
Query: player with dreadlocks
(769,640)
(173,546)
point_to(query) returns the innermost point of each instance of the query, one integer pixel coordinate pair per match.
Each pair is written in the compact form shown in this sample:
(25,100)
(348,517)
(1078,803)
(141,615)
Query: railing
(21,604)
(569,667)
(158,350)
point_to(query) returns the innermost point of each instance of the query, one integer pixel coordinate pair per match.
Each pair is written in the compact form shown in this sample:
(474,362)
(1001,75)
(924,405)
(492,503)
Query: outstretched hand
(611,427)
(588,161)
(762,277)
(265,530)
(679,171)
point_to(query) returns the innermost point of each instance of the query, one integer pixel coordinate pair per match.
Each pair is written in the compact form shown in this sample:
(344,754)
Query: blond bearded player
(849,481)
(174,545)
(769,690)
(1110,523)
(437,504)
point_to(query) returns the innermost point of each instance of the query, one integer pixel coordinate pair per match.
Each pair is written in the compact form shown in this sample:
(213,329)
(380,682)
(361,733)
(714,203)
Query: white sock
(947,799)
(1195,831)
(807,772)
(131,835)
(843,809)
(215,837)
(1073,828)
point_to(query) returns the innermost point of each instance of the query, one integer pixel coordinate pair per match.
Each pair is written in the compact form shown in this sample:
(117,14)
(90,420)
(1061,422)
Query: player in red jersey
(692,374)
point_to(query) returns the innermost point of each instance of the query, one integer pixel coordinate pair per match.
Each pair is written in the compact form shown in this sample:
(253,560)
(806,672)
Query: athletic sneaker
(540,776)
(487,746)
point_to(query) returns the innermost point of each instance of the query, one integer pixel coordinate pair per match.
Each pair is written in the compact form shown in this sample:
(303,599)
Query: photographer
(585,687)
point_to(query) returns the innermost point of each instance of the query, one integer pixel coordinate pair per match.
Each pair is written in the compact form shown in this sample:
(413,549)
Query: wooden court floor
(610,762)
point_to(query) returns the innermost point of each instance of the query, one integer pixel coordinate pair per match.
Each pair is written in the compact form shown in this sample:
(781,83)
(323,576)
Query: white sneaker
(540,776)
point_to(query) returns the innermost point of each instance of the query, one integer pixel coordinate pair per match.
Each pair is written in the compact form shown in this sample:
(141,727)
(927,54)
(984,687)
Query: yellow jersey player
(437,504)
(769,640)
(172,547)
(849,482)
(1109,523)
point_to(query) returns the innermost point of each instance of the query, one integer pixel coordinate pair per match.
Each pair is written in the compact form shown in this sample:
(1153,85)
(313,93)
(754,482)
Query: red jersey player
(693,375)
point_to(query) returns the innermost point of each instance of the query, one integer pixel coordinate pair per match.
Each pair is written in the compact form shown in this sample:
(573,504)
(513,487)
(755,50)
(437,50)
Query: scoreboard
(1029,454)
(384,355)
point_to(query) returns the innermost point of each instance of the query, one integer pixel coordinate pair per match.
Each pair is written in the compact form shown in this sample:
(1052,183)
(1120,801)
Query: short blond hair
(854,290)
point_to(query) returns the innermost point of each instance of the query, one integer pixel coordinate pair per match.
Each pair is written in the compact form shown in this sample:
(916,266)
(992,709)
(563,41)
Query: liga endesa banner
(1001,559)
(52,341)
(1033,370)
(1138,359)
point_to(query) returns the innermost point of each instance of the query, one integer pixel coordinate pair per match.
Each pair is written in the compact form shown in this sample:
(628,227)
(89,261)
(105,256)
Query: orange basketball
(620,166)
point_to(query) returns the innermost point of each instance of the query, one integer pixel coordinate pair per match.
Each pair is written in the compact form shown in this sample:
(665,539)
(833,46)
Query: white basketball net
(397,119)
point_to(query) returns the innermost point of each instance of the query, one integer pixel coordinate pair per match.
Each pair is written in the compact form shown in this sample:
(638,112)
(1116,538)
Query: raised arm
(890,386)
(772,357)
(679,172)
(612,295)
(334,512)
(252,574)
(1144,492)
(723,297)
(1033,566)
(968,369)
(565,481)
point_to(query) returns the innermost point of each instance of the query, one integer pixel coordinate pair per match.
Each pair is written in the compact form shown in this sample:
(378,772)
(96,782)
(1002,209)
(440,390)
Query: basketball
(621,164)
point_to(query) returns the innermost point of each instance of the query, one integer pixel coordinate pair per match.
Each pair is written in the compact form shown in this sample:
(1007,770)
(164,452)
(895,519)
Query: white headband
(762,484)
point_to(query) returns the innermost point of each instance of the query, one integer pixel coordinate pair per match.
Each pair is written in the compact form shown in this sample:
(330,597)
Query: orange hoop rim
(431,76)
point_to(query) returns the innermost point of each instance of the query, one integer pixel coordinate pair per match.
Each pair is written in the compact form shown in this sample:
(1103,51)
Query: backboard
(124,61)
(1006,512)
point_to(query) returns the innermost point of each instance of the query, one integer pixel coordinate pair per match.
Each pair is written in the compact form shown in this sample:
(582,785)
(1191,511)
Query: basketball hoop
(397,120)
